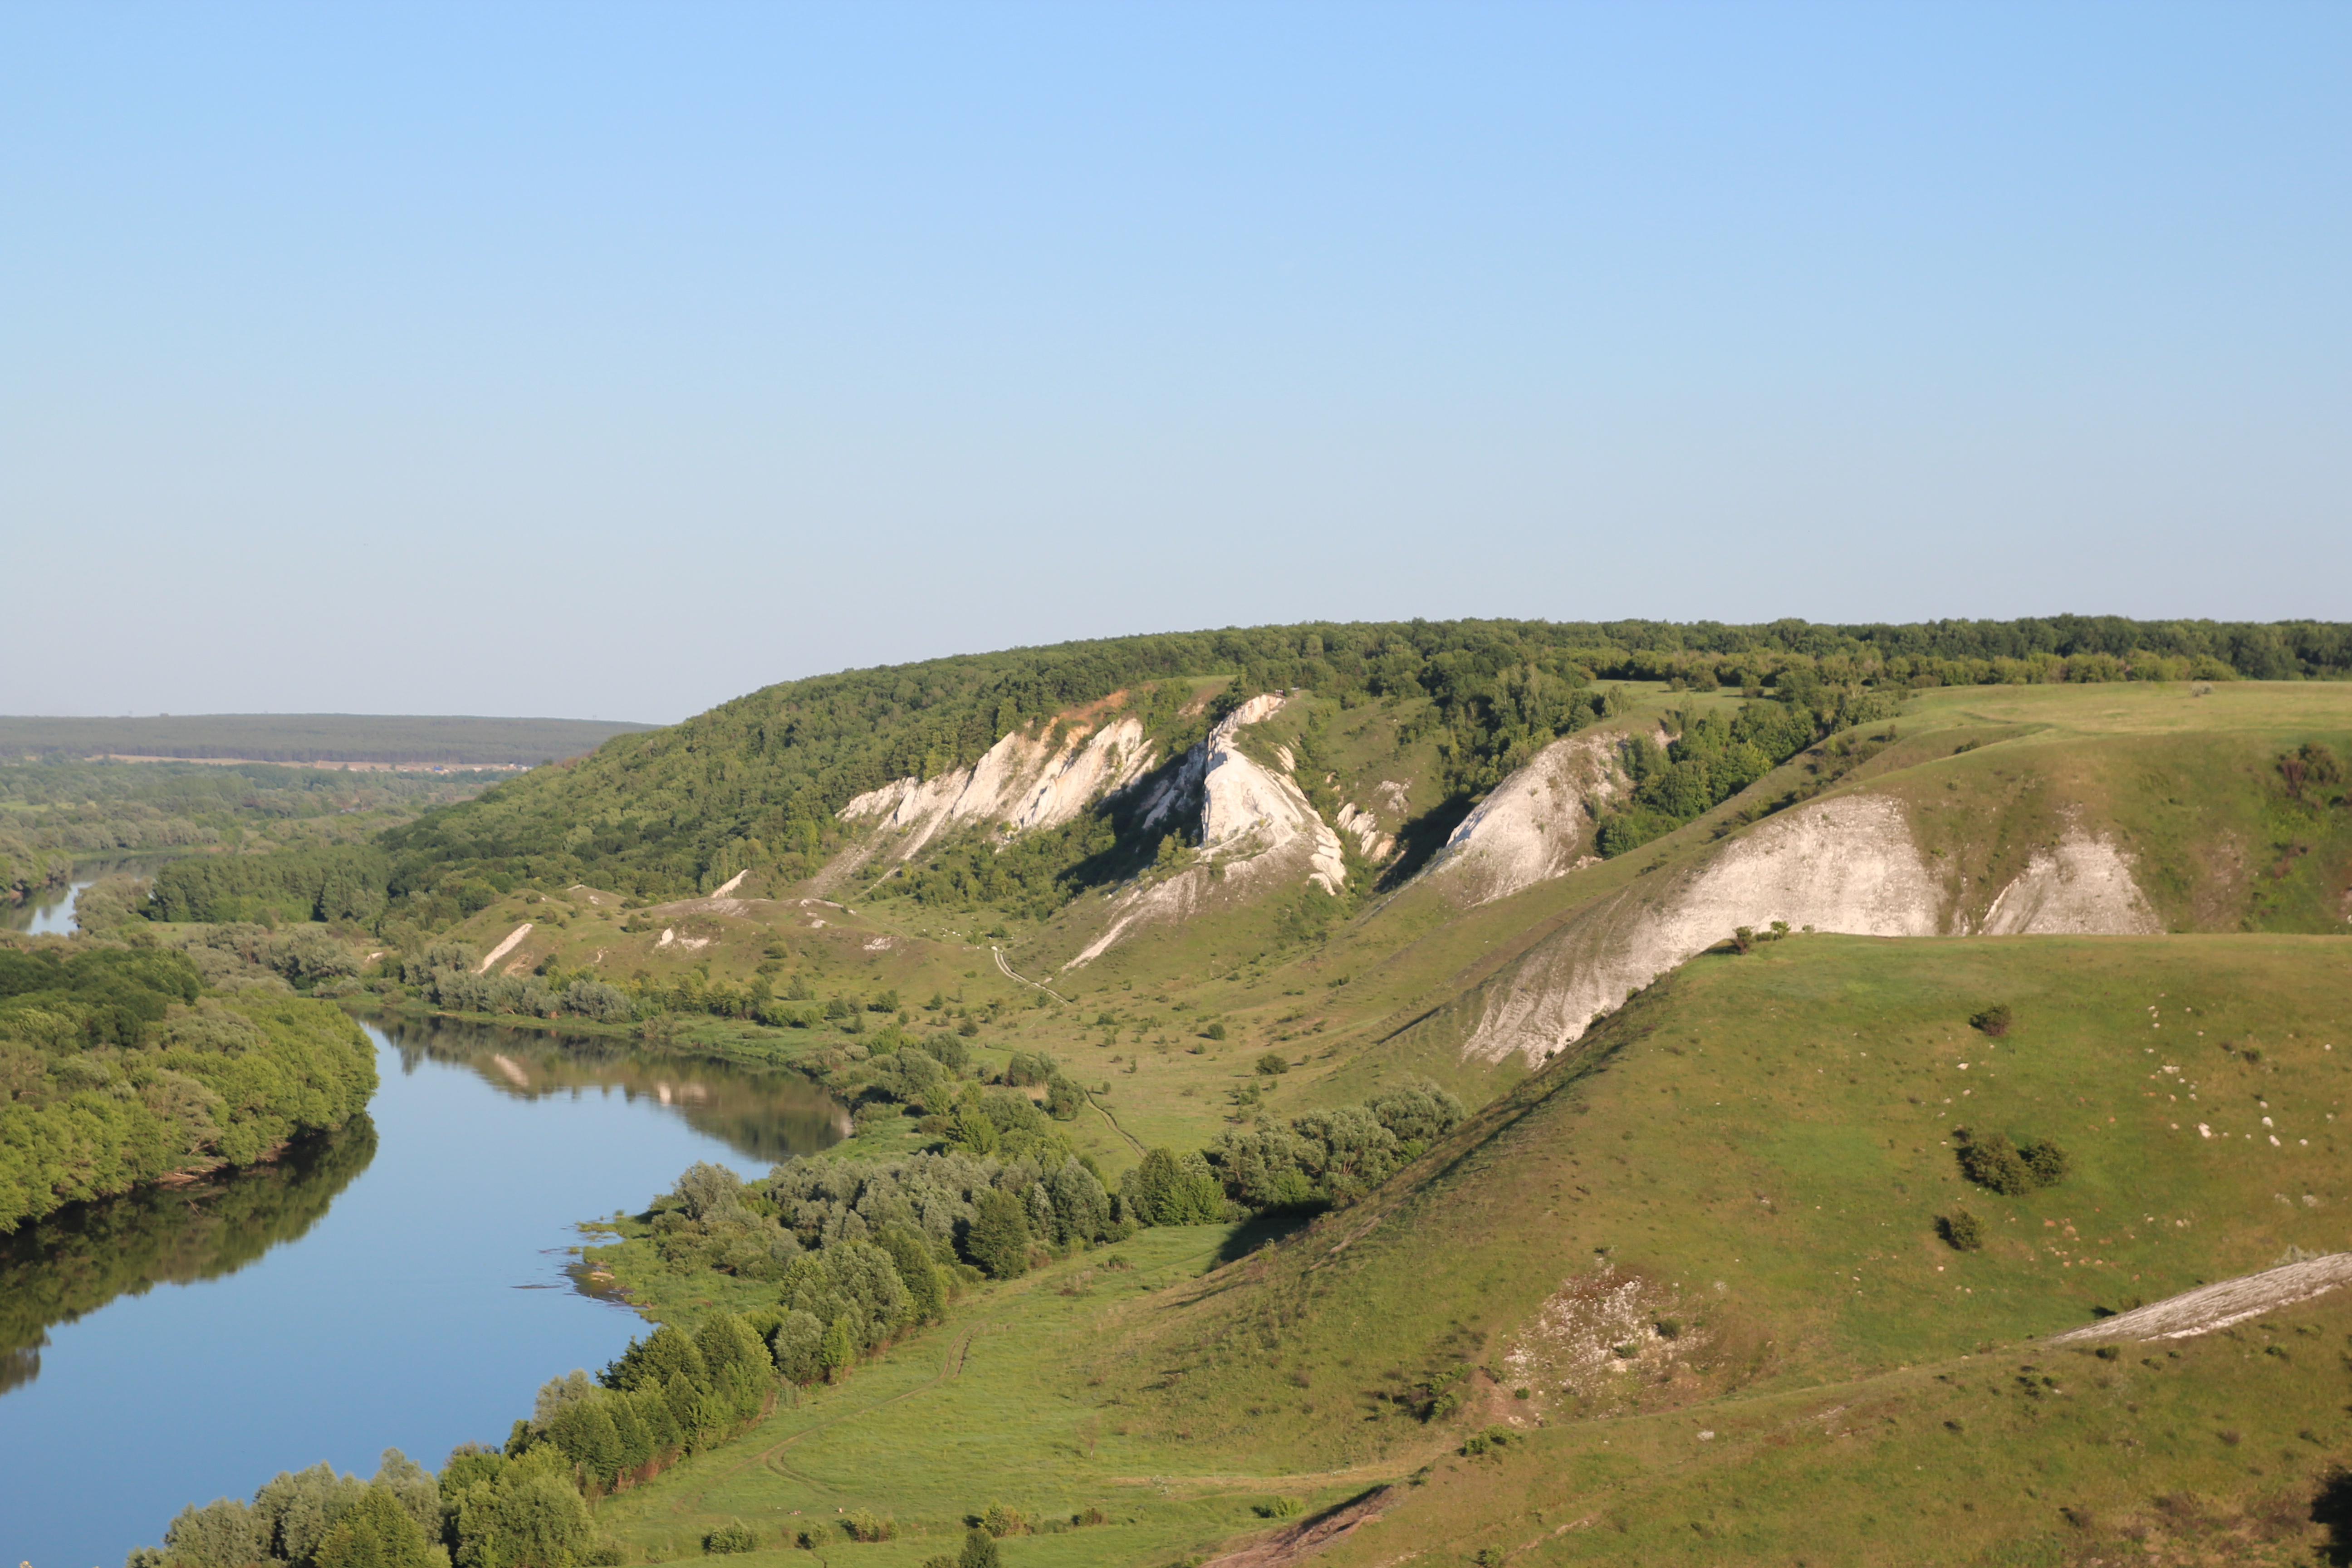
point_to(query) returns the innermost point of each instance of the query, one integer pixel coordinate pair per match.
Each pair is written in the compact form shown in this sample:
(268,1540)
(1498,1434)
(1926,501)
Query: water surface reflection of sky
(422,1310)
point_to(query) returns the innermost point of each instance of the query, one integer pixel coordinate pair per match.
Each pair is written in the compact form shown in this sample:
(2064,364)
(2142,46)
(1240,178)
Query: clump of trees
(117,1068)
(1995,1163)
(882,1242)
(1714,758)
(332,882)
(317,1518)
(1324,1157)
(525,1505)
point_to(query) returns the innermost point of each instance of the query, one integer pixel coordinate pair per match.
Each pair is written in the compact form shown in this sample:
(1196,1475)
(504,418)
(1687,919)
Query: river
(50,911)
(402,1285)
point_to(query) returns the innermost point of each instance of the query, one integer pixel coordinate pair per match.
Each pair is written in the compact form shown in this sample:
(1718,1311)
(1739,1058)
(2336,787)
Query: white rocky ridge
(1848,865)
(1844,864)
(2082,885)
(1023,783)
(1256,825)
(1532,827)
(1365,828)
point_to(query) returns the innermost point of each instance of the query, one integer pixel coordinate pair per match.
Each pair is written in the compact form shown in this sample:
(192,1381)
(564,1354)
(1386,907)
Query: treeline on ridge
(756,782)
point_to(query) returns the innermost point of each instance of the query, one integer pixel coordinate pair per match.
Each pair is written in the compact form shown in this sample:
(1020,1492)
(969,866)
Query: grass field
(1754,1153)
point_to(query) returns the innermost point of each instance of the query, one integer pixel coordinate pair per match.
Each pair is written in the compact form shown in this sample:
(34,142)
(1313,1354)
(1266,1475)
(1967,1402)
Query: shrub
(1996,1163)
(864,1524)
(979,1552)
(1962,1230)
(1001,1521)
(730,1537)
(1994,1021)
(1279,1508)
(2047,1162)
(1475,1445)
(1272,1065)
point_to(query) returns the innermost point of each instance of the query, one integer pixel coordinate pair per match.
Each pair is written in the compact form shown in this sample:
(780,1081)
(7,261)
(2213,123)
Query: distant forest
(315,738)
(59,810)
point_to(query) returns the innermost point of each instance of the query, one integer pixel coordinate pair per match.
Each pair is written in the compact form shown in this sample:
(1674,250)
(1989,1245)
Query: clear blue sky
(608,360)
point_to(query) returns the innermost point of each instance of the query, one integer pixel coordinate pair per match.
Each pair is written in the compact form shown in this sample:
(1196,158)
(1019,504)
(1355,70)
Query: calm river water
(401,1286)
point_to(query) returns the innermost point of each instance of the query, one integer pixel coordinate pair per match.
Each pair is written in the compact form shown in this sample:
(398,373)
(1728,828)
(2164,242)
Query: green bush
(864,1524)
(1279,1508)
(1272,1065)
(1994,1021)
(1962,1230)
(1001,1521)
(1997,1165)
(730,1537)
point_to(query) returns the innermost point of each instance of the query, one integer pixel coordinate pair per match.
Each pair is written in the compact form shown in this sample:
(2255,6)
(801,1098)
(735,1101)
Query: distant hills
(370,739)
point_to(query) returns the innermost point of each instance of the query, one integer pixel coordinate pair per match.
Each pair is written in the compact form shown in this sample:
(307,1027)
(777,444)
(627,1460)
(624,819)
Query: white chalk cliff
(1023,782)
(1534,825)
(2081,886)
(1849,864)
(1256,828)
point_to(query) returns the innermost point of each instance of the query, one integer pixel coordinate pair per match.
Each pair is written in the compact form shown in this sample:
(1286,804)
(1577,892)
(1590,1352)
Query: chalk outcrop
(1849,864)
(2082,885)
(1256,828)
(1023,782)
(1845,865)
(1364,827)
(1535,824)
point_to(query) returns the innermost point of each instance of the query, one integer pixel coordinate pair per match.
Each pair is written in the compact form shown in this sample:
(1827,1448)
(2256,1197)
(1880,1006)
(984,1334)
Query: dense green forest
(388,739)
(756,782)
(116,1069)
(59,810)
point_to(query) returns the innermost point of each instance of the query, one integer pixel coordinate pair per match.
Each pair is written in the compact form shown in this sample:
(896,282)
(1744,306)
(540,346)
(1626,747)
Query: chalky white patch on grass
(513,940)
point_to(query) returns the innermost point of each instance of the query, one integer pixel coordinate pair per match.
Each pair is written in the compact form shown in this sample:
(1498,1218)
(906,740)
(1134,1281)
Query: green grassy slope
(1726,1159)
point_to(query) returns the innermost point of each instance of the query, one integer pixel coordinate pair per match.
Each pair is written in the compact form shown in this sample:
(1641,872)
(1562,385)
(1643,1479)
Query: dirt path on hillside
(2211,1307)
(1009,974)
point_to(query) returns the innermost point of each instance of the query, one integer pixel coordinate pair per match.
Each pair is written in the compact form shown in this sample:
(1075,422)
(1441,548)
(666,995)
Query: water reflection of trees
(769,1116)
(83,1256)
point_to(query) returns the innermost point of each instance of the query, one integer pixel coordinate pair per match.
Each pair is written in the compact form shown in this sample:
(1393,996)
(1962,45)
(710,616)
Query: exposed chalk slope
(1534,824)
(1023,782)
(1256,829)
(2081,886)
(1844,864)
(2212,1307)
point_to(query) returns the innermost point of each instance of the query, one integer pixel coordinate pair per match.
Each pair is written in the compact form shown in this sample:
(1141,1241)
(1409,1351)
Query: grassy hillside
(1737,1180)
